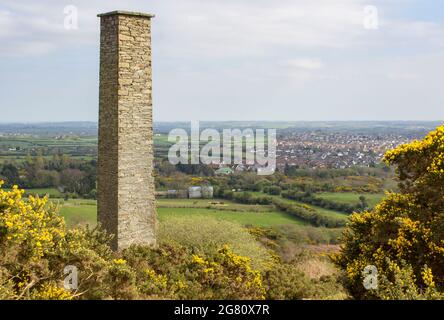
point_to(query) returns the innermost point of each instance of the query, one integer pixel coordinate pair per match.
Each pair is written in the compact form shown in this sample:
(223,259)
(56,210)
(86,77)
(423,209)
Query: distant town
(317,149)
(332,145)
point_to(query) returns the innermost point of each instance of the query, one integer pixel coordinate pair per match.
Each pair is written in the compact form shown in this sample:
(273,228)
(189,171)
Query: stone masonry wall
(126,204)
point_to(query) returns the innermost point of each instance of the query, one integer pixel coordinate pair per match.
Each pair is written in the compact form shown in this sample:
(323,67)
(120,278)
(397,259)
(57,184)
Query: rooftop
(127,13)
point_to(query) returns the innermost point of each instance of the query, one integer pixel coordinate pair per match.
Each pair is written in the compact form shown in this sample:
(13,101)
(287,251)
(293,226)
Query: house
(200,192)
(172,194)
(207,192)
(224,171)
(240,168)
(195,192)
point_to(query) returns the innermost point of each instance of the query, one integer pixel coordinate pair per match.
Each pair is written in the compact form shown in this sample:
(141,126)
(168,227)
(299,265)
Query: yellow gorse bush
(51,291)
(429,151)
(29,223)
(404,235)
(225,267)
(30,231)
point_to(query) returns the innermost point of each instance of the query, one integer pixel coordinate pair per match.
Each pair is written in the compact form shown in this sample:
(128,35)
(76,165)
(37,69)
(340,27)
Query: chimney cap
(127,13)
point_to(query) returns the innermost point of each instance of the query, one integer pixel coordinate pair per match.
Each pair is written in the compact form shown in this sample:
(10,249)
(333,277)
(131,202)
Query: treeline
(310,198)
(72,177)
(375,171)
(244,197)
(360,180)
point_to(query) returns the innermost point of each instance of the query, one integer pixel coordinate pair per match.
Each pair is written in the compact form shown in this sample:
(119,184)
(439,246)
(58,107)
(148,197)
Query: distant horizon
(221,121)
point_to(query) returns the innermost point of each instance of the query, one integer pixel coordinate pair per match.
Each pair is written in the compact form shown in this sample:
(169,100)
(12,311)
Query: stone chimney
(126,206)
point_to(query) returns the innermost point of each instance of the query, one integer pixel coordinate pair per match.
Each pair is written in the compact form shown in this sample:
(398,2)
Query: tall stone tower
(126,205)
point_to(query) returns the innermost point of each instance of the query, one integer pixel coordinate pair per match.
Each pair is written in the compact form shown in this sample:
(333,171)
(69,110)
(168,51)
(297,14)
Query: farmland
(352,198)
(17,148)
(84,212)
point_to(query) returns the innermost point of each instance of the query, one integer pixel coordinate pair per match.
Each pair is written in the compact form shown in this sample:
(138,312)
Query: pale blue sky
(233,60)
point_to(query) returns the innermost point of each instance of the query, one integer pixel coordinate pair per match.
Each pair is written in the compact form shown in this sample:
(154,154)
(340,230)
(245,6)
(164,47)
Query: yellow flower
(119,261)
(198,260)
(427,276)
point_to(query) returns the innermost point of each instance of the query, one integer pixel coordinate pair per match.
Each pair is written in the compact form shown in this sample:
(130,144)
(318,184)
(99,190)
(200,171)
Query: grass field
(258,219)
(352,198)
(212,204)
(85,212)
(78,212)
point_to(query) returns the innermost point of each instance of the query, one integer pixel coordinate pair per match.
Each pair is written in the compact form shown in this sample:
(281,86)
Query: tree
(72,180)
(363,202)
(403,237)
(274,190)
(11,174)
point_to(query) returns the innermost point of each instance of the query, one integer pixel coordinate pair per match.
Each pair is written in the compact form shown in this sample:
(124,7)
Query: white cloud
(402,76)
(197,28)
(201,29)
(304,63)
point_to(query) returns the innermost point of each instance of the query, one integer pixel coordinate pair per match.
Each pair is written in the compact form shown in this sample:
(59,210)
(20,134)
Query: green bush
(206,234)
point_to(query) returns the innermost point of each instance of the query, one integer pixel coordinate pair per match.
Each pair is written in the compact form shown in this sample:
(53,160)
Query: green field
(85,212)
(225,205)
(16,149)
(78,212)
(258,219)
(352,198)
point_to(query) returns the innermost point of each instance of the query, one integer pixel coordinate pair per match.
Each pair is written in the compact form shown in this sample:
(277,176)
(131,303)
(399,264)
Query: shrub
(403,236)
(36,247)
(175,272)
(206,234)
(274,190)
(286,282)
